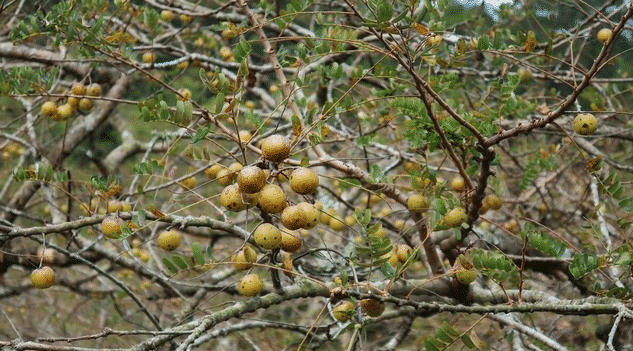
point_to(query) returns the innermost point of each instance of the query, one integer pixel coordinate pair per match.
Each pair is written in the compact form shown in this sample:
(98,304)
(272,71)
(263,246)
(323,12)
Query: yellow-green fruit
(250,285)
(65,111)
(293,217)
(343,311)
(457,184)
(402,252)
(251,179)
(276,148)
(185,18)
(245,258)
(226,53)
(225,176)
(189,183)
(512,226)
(78,89)
(85,104)
(336,224)
(49,109)
(267,236)
(272,198)
(73,101)
(372,307)
(245,136)
(93,89)
(493,201)
(604,35)
(184,94)
(466,276)
(166,15)
(149,57)
(43,278)
(111,226)
(585,124)
(169,240)
(392,257)
(212,171)
(454,217)
(311,214)
(231,198)
(290,242)
(417,202)
(303,181)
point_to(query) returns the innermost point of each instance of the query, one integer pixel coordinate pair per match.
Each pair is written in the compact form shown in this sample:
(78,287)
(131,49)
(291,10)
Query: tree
(413,175)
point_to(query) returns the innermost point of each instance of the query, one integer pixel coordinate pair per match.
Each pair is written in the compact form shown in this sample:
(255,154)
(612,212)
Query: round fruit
(78,89)
(85,104)
(251,179)
(276,148)
(93,89)
(272,198)
(454,218)
(417,202)
(185,94)
(46,255)
(372,307)
(512,226)
(167,15)
(336,224)
(149,57)
(392,257)
(245,258)
(493,201)
(43,278)
(250,285)
(290,242)
(73,101)
(49,109)
(524,74)
(457,184)
(267,236)
(402,252)
(343,311)
(224,176)
(604,35)
(65,111)
(185,18)
(111,226)
(245,136)
(466,276)
(293,217)
(303,181)
(169,240)
(585,124)
(226,53)
(311,214)
(212,171)
(189,183)
(231,198)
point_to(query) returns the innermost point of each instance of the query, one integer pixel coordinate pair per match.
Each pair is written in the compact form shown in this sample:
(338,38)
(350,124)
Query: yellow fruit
(276,148)
(343,311)
(267,236)
(166,15)
(245,136)
(111,226)
(226,53)
(65,111)
(303,181)
(604,35)
(311,214)
(493,201)
(273,89)
(399,223)
(78,89)
(93,89)
(454,218)
(85,104)
(457,184)
(49,109)
(245,258)
(212,171)
(512,226)
(224,176)
(290,242)
(286,261)
(182,65)
(585,124)
(372,307)
(43,278)
(229,33)
(250,285)
(272,198)
(185,18)
(293,217)
(231,198)
(73,101)
(336,224)
(46,255)
(251,179)
(189,183)
(149,57)
(249,104)
(169,240)
(392,257)
(417,202)
(466,276)
(402,252)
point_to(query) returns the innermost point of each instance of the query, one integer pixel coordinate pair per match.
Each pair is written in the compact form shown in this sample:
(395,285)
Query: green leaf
(196,251)
(179,261)
(170,266)
(583,263)
(363,217)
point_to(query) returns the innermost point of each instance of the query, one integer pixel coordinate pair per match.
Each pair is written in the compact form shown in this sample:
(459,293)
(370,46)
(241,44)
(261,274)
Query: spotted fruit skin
(111,226)
(272,198)
(585,124)
(304,181)
(169,240)
(267,236)
(372,307)
(251,179)
(344,311)
(43,278)
(250,285)
(290,242)
(276,148)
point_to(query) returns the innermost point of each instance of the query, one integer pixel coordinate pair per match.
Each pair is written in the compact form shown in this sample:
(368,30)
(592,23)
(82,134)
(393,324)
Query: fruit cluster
(73,103)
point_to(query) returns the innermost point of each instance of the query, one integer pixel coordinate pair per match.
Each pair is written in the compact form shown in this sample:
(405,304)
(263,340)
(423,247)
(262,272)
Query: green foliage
(493,263)
(44,173)
(542,241)
(446,336)
(583,263)
(149,167)
(534,167)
